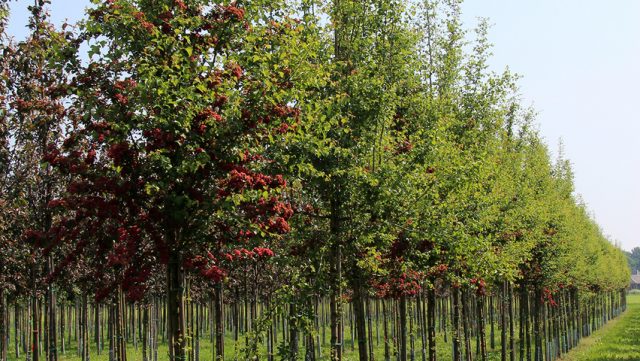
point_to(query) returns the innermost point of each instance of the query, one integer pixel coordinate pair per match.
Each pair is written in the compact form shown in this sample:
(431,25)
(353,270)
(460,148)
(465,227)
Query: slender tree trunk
(503,322)
(512,347)
(521,334)
(18,332)
(385,317)
(175,308)
(421,326)
(3,328)
(219,320)
(492,323)
(110,331)
(96,333)
(403,328)
(537,324)
(336,309)
(52,354)
(431,323)
(293,334)
(35,324)
(120,337)
(466,325)
(85,328)
(29,334)
(457,354)
(145,332)
(527,326)
(360,319)
(370,329)
(481,327)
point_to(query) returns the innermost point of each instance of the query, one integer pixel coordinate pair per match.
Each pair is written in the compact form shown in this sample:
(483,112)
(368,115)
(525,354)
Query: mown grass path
(618,340)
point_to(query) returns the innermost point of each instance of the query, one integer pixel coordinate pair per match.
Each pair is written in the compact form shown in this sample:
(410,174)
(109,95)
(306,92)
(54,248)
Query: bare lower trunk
(145,332)
(3,323)
(481,327)
(175,309)
(84,328)
(52,354)
(512,346)
(403,328)
(431,323)
(457,354)
(120,341)
(35,327)
(336,310)
(219,320)
(385,318)
(358,308)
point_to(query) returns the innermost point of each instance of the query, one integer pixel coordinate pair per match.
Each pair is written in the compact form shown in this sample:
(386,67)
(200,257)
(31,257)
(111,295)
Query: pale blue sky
(580,67)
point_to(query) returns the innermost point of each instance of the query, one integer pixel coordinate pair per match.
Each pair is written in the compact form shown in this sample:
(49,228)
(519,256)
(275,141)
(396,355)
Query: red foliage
(180,4)
(480,286)
(547,296)
(119,152)
(407,284)
(232,12)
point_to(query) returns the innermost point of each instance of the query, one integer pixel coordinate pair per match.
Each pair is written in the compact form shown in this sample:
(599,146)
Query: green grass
(618,340)
(234,352)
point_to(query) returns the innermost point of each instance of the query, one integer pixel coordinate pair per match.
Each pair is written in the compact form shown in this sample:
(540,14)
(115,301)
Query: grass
(618,340)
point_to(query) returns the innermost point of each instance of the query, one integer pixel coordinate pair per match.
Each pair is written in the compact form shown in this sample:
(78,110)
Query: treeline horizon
(276,177)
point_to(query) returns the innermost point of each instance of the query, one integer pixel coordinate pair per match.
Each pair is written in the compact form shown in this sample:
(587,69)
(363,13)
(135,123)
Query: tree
(634,259)
(171,118)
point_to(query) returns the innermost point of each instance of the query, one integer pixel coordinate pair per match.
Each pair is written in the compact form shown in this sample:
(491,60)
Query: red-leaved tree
(172,116)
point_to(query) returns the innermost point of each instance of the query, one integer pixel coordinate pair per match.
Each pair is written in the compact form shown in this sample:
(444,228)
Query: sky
(580,67)
(579,62)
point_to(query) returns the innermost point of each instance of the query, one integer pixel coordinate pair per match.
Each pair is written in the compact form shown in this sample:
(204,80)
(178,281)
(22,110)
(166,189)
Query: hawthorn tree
(36,92)
(172,114)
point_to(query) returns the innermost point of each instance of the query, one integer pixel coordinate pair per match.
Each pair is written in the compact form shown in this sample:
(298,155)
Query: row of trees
(181,168)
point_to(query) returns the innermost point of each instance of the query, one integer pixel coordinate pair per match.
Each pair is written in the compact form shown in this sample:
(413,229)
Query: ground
(618,340)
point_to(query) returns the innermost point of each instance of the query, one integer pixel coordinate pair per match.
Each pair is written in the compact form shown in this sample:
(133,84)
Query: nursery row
(278,178)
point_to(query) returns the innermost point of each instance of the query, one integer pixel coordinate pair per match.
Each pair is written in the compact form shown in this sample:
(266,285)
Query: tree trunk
(523,302)
(481,327)
(52,354)
(96,333)
(3,328)
(503,322)
(370,329)
(537,323)
(293,333)
(120,340)
(403,328)
(145,333)
(175,308)
(431,323)
(336,308)
(421,325)
(385,317)
(457,355)
(492,323)
(358,308)
(35,325)
(85,328)
(219,319)
(466,325)
(18,332)
(512,347)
